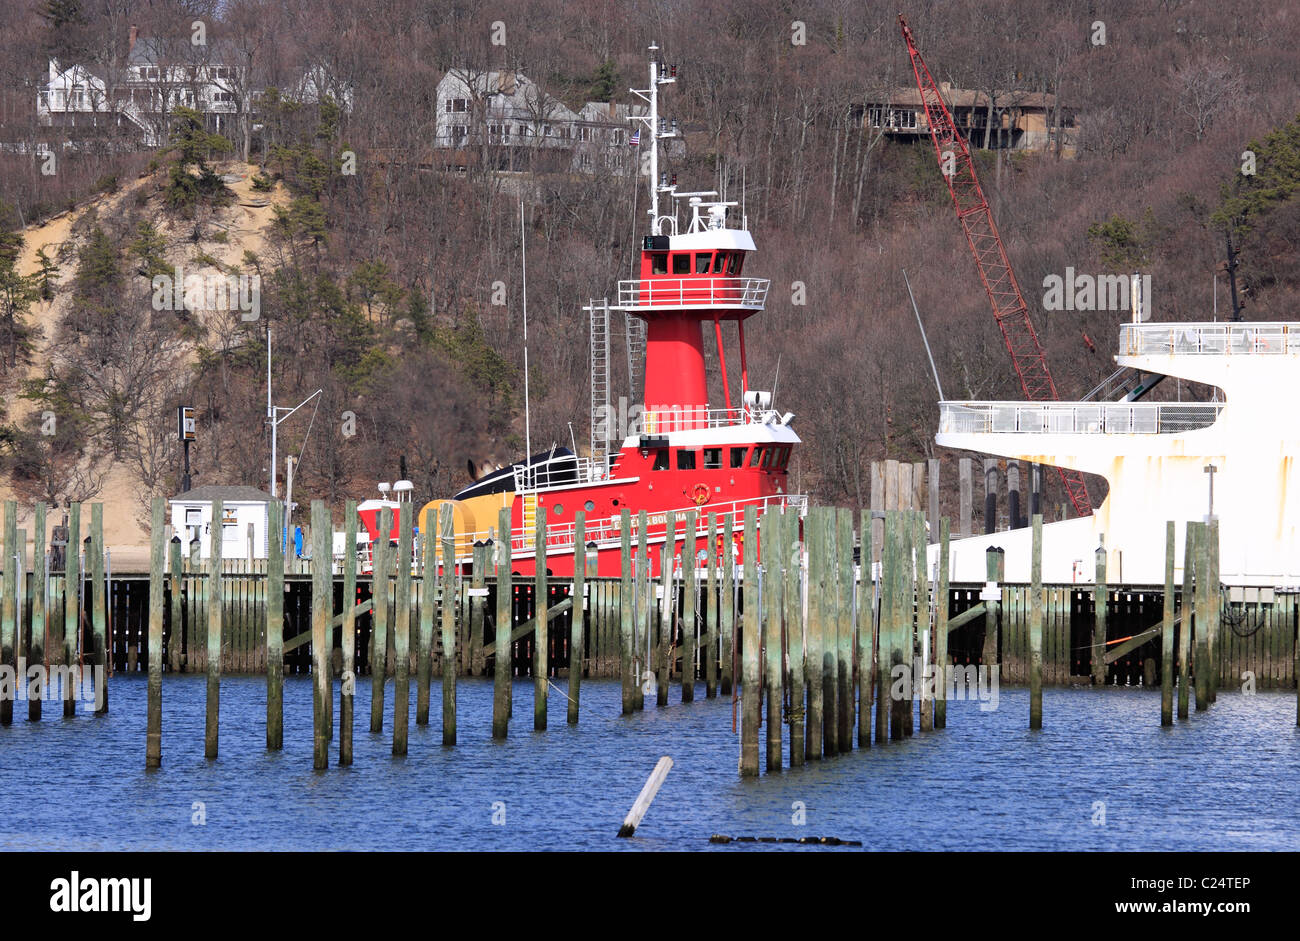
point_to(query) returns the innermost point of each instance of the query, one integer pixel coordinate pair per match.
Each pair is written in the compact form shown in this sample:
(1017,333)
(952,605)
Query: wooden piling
(39,642)
(447,529)
(772,540)
(175,571)
(844,624)
(626,649)
(883,629)
(965,483)
(727,601)
(348,676)
(900,632)
(1100,597)
(814,542)
(541,626)
(1186,608)
(99,609)
(502,648)
(667,571)
(911,610)
(1215,596)
(153,722)
(924,626)
(322,612)
(690,597)
(865,627)
(711,611)
(424,628)
(1202,592)
(792,594)
(214,633)
(9,626)
(830,618)
(1167,633)
(750,651)
(578,617)
(941,631)
(1036,627)
(402,632)
(379,619)
(275,632)
(72,611)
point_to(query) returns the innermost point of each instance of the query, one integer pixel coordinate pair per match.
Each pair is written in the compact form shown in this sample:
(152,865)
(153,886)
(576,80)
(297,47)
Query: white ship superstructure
(1237,458)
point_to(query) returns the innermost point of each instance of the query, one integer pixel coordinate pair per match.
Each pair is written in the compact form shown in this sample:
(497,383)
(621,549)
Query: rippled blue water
(1223,781)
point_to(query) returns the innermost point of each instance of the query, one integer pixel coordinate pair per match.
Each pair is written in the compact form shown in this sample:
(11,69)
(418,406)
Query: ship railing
(1216,339)
(559,472)
(608,530)
(699,291)
(658,419)
(1076,418)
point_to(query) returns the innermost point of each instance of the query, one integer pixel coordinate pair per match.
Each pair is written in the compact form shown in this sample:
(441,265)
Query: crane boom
(1009,308)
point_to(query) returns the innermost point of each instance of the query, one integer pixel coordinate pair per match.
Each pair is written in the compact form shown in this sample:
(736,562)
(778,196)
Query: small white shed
(240,507)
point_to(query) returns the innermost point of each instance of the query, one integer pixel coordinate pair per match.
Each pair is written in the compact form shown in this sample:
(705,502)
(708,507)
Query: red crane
(1009,308)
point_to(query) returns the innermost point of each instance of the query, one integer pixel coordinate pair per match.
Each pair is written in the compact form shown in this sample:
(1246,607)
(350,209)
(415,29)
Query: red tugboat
(682,454)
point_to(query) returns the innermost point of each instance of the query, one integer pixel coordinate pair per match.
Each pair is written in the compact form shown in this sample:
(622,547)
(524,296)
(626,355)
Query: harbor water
(1101,775)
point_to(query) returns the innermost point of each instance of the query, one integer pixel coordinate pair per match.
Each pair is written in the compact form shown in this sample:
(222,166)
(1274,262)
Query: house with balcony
(506,121)
(1016,120)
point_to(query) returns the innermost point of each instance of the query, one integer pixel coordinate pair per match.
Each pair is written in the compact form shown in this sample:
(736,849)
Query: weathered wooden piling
(72,612)
(727,640)
(792,594)
(1202,589)
(153,721)
(322,612)
(865,629)
(830,636)
(911,626)
(9,626)
(844,627)
(401,634)
(98,608)
(941,631)
(814,541)
(772,546)
(750,651)
(1186,608)
(541,625)
(1036,617)
(275,633)
(711,611)
(1100,595)
(642,637)
(992,608)
(626,612)
(39,642)
(175,572)
(690,596)
(1167,633)
(447,529)
(379,620)
(648,792)
(923,625)
(214,634)
(900,633)
(667,570)
(502,647)
(578,615)
(1215,597)
(348,678)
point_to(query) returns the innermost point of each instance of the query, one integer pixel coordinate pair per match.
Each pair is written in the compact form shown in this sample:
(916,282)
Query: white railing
(558,472)
(1076,418)
(699,291)
(661,419)
(1218,339)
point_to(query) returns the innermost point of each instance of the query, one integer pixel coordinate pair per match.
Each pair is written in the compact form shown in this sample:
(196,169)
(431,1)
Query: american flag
(635,141)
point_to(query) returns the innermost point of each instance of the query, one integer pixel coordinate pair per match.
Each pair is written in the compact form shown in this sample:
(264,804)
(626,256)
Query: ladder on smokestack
(1009,308)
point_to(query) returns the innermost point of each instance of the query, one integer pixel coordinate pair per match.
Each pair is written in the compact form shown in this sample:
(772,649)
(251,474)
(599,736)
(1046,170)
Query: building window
(457,105)
(584,133)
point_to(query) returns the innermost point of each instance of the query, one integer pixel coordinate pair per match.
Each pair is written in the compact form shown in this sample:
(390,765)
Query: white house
(521,124)
(241,507)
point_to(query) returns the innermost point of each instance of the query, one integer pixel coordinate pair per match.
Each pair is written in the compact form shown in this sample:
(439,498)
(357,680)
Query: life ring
(701,494)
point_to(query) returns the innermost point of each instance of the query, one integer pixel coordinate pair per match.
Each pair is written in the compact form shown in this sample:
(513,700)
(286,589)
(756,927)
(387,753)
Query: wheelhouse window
(685,459)
(719,262)
(757,457)
(738,457)
(702,261)
(661,459)
(768,454)
(682,264)
(733,263)
(712,458)
(659,263)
